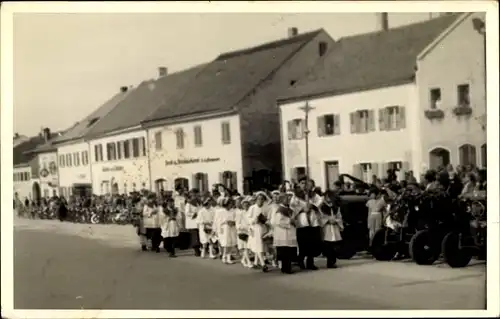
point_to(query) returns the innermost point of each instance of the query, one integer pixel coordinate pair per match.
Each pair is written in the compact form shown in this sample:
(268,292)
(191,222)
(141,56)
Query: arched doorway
(114,189)
(181,182)
(229,180)
(484,155)
(439,157)
(37,192)
(200,182)
(160,185)
(467,155)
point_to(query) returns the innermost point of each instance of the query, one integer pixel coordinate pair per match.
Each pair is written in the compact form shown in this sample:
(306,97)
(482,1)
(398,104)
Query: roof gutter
(189,118)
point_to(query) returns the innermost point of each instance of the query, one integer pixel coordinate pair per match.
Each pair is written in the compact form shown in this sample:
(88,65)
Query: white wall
(23,187)
(230,158)
(123,171)
(350,149)
(69,175)
(49,184)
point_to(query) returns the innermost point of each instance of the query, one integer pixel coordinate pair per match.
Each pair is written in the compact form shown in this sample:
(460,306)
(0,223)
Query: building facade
(48,174)
(22,182)
(350,134)
(119,163)
(196,154)
(74,168)
(451,89)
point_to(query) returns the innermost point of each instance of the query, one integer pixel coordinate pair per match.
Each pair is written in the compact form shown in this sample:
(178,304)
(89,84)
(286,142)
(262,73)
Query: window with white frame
(296,128)
(68,160)
(226,133)
(198,139)
(62,161)
(126,149)
(135,147)
(366,170)
(111,151)
(328,125)
(362,121)
(85,158)
(392,118)
(76,158)
(158,141)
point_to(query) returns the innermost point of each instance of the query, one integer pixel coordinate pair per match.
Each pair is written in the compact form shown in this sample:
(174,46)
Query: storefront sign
(44,173)
(112,169)
(192,161)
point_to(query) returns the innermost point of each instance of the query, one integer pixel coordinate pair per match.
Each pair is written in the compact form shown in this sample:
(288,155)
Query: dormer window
(92,121)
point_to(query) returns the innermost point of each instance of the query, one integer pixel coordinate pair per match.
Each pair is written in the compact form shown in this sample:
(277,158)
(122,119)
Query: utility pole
(306,109)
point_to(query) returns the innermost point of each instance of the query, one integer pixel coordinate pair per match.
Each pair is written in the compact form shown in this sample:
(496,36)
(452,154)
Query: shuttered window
(76,159)
(362,121)
(68,160)
(467,154)
(135,147)
(126,149)
(119,149)
(179,136)
(198,140)
(85,158)
(226,133)
(392,118)
(328,125)
(158,141)
(62,162)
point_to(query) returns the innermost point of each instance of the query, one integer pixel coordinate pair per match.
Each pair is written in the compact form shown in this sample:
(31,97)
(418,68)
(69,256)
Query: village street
(67,266)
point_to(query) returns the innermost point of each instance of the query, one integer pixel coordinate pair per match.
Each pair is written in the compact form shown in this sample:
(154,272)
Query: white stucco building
(197,154)
(22,181)
(370,103)
(48,174)
(74,167)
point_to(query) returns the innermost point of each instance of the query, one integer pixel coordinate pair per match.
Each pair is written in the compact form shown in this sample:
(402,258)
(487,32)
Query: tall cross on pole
(306,109)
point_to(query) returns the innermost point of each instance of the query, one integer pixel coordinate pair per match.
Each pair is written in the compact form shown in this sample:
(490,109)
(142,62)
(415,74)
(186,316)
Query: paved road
(66,266)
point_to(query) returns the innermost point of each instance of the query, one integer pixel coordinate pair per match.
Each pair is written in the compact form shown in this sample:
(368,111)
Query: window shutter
(352,116)
(402,117)
(290,129)
(381,119)
(234,181)
(205,182)
(221,177)
(356,170)
(371,120)
(336,124)
(375,169)
(194,182)
(472,155)
(321,125)
(461,155)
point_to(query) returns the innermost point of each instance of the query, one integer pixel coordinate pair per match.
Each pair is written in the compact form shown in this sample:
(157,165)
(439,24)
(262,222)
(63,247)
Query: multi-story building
(404,98)
(224,126)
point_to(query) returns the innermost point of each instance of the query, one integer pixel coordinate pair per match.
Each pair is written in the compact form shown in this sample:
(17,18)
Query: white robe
(227,228)
(332,227)
(255,242)
(205,217)
(242,227)
(169,227)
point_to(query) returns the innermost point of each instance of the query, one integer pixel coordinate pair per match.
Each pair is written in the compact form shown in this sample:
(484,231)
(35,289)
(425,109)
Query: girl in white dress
(227,229)
(257,220)
(205,225)
(242,226)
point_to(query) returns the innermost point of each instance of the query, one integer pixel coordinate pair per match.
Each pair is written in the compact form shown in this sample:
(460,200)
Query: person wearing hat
(227,229)
(257,220)
(150,215)
(205,222)
(170,228)
(285,236)
(191,213)
(332,226)
(242,226)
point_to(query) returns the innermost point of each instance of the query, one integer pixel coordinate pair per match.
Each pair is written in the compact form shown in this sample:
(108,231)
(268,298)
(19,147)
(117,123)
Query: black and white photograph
(249,159)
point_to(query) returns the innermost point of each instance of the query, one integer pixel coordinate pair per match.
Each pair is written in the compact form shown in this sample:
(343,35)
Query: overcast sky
(66,65)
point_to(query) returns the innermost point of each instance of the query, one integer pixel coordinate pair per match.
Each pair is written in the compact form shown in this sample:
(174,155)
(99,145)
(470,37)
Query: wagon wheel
(424,247)
(454,255)
(380,249)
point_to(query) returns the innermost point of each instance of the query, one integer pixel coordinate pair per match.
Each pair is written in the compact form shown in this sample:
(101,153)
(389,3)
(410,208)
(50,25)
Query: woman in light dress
(170,226)
(257,220)
(206,227)
(242,226)
(227,229)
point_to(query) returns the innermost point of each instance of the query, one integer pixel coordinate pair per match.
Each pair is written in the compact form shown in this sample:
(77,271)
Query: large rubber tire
(345,252)
(455,256)
(424,247)
(381,250)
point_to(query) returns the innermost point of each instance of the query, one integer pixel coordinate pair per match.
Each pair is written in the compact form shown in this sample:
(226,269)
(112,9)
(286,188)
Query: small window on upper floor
(463,95)
(158,144)
(226,133)
(179,136)
(198,140)
(435,98)
(296,129)
(322,47)
(328,124)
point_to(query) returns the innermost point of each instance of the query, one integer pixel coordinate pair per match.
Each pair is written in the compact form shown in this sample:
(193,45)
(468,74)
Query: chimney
(123,89)
(46,134)
(292,32)
(383,21)
(162,71)
(16,135)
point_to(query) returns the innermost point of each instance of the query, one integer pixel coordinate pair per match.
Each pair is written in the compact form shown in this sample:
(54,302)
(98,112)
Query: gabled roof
(229,78)
(81,128)
(142,101)
(369,61)
(24,152)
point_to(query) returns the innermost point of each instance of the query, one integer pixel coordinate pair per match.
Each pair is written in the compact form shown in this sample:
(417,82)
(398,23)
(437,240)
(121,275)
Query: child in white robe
(242,226)
(256,216)
(332,226)
(206,227)
(227,229)
(170,226)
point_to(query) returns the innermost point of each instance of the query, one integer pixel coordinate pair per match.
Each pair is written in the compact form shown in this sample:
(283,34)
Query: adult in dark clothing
(62,210)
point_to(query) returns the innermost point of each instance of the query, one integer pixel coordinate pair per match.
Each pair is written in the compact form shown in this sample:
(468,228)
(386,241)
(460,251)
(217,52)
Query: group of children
(276,229)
